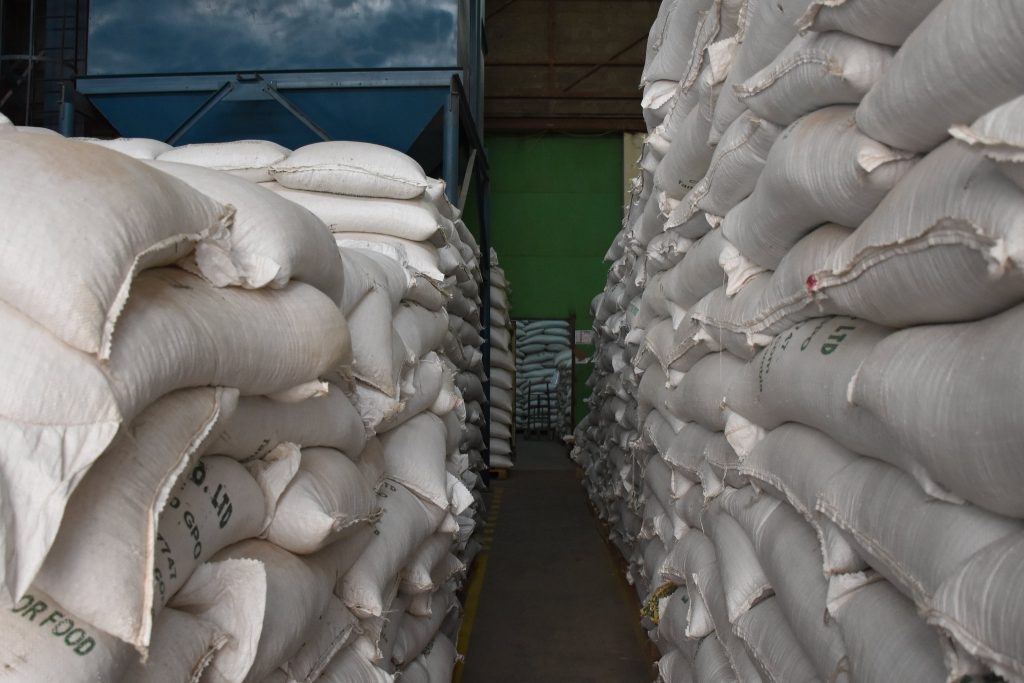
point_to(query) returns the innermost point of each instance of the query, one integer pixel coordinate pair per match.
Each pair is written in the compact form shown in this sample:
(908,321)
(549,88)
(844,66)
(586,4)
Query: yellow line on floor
(476,583)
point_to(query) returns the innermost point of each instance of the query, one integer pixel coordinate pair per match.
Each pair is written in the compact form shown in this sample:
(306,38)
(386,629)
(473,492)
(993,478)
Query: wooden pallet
(499,472)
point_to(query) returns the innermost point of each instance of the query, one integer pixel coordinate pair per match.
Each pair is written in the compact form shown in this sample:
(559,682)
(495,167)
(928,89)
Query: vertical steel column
(31,60)
(67,111)
(484,204)
(450,144)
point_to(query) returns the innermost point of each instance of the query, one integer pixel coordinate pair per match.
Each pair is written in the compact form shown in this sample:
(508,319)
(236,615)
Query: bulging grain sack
(421,330)
(137,148)
(416,578)
(259,424)
(412,219)
(267,599)
(931,541)
(828,170)
(767,303)
(366,269)
(406,522)
(328,499)
(335,629)
(416,257)
(793,463)
(127,217)
(885,638)
(772,643)
(109,564)
(247,159)
(979,606)
(697,274)
(875,20)
(675,667)
(788,552)
(815,70)
(272,241)
(438,659)
(358,169)
(183,646)
(45,642)
(675,42)
(770,26)
(958,64)
(937,433)
(414,456)
(377,352)
(689,155)
(1000,136)
(743,580)
(711,663)
(803,375)
(735,165)
(351,666)
(947,239)
(416,632)
(180,331)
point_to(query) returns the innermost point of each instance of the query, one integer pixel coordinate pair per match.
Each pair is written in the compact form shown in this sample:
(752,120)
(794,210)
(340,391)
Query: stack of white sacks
(805,429)
(503,369)
(543,375)
(234,446)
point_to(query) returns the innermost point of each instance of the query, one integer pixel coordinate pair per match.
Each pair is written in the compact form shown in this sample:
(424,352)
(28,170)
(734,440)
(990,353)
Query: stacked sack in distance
(543,376)
(237,446)
(801,427)
(503,370)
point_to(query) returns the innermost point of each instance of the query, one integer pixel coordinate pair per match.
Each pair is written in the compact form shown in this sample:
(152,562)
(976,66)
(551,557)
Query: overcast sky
(167,36)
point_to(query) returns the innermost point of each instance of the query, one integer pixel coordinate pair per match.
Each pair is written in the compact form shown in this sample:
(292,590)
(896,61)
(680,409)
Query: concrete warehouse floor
(548,602)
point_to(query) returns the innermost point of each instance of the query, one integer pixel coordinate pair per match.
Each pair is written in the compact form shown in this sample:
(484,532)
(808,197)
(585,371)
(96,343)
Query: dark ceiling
(570,65)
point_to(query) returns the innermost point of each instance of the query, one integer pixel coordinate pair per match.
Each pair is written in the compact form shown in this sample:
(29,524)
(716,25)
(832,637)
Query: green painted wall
(556,205)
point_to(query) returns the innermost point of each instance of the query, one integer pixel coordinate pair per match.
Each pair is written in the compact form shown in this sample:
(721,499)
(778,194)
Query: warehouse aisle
(552,606)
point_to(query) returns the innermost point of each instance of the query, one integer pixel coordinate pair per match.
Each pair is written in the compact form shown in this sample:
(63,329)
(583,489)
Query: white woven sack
(769,27)
(416,578)
(828,171)
(406,522)
(128,218)
(743,579)
(937,433)
(886,639)
(265,598)
(697,274)
(259,424)
(378,354)
(876,20)
(772,645)
(947,239)
(247,159)
(327,500)
(1000,136)
(416,632)
(414,456)
(438,659)
(412,219)
(979,607)
(357,169)
(959,63)
(416,257)
(788,552)
(815,70)
(733,170)
(366,270)
(336,629)
(44,642)
(272,241)
(674,42)
(351,666)
(420,330)
(110,527)
(932,540)
(711,663)
(137,148)
(183,646)
(675,667)
(793,463)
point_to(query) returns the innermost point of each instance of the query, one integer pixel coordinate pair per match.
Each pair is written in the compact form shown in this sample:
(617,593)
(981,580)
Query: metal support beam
(464,192)
(450,147)
(271,90)
(199,113)
(67,111)
(483,185)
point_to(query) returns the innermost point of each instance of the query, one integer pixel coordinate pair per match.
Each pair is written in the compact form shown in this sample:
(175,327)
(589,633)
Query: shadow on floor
(553,606)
